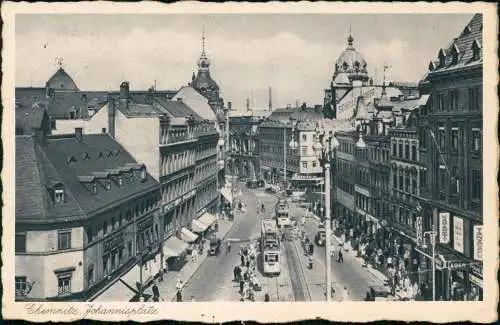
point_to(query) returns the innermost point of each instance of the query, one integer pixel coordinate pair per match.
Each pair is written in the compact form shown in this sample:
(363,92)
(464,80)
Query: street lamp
(292,145)
(432,236)
(325,147)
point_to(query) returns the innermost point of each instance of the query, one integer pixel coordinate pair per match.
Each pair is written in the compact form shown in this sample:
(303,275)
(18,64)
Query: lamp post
(324,147)
(292,145)
(432,235)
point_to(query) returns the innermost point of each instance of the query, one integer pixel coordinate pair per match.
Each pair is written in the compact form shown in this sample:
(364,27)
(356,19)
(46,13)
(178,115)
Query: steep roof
(64,160)
(462,48)
(176,108)
(29,118)
(80,101)
(196,101)
(61,81)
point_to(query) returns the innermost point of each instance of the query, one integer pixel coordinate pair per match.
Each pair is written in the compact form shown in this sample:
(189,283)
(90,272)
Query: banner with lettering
(478,242)
(458,234)
(444,227)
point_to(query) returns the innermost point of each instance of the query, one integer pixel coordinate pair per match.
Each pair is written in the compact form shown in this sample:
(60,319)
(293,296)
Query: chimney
(270,99)
(79,134)
(229,105)
(248,104)
(48,91)
(111,116)
(124,93)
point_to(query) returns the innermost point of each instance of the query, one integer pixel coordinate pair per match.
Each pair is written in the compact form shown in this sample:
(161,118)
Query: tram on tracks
(270,248)
(282,213)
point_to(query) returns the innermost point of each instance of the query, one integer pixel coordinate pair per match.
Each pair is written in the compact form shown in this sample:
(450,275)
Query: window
(442,178)
(304,137)
(414,184)
(474,99)
(455,185)
(476,140)
(105,264)
(72,115)
(104,227)
(107,184)
(454,97)
(401,181)
(454,138)
(64,240)
(395,180)
(423,178)
(64,284)
(52,123)
(413,152)
(143,174)
(90,274)
(103,130)
(423,138)
(400,147)
(20,245)
(407,182)
(314,164)
(440,102)
(58,195)
(475,50)
(407,151)
(476,185)
(442,136)
(304,164)
(113,223)
(90,235)
(94,187)
(21,286)
(120,180)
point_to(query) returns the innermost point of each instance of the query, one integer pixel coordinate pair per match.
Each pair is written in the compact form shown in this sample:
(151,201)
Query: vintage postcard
(268,162)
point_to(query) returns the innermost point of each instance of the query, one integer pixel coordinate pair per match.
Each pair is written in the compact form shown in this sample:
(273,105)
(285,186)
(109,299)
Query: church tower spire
(203,62)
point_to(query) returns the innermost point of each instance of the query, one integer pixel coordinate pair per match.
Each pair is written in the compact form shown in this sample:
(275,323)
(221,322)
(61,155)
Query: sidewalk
(167,286)
(372,270)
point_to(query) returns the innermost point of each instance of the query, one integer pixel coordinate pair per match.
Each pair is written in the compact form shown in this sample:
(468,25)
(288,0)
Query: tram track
(297,277)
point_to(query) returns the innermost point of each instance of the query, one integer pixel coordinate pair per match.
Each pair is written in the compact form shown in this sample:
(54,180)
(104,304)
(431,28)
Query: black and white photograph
(249,158)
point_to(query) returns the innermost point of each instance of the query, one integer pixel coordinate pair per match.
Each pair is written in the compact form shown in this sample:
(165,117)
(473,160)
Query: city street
(213,279)
(348,274)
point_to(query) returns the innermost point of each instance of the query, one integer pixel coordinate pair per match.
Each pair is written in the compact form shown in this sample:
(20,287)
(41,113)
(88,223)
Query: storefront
(174,252)
(188,237)
(476,283)
(210,221)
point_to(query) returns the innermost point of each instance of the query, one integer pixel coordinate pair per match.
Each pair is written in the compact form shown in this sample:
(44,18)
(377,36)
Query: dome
(351,63)
(204,81)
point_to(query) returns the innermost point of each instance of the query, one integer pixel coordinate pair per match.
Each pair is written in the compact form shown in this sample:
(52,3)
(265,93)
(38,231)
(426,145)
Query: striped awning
(174,247)
(207,219)
(188,236)
(198,226)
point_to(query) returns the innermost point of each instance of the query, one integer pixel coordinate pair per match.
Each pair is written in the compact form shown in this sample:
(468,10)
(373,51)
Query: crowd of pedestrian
(245,273)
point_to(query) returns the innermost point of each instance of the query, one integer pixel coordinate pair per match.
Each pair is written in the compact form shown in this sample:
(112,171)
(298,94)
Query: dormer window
(455,52)
(93,187)
(432,66)
(475,50)
(442,57)
(85,156)
(143,174)
(466,31)
(100,155)
(107,184)
(59,195)
(71,160)
(120,180)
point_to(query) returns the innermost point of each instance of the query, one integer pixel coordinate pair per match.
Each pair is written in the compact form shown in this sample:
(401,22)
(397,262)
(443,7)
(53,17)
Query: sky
(294,54)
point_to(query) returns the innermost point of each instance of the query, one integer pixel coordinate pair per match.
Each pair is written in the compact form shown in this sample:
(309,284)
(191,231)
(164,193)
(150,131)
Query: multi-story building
(87,214)
(244,147)
(450,149)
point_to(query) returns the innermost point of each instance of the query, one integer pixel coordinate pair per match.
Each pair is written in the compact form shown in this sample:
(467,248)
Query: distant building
(85,210)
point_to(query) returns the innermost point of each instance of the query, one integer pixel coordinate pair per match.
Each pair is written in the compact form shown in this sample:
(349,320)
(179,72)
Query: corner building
(450,134)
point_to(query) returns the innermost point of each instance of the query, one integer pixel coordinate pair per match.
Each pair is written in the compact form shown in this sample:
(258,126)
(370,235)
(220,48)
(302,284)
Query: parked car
(215,244)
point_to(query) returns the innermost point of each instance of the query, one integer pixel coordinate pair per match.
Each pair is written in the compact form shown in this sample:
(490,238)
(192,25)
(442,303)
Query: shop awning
(451,260)
(174,247)
(188,236)
(133,277)
(118,291)
(226,193)
(208,219)
(198,226)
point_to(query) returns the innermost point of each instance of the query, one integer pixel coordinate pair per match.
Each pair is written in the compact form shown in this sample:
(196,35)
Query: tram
(270,247)
(282,213)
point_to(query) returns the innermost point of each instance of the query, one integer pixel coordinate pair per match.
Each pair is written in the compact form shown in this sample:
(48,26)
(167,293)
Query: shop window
(64,284)
(64,240)
(20,244)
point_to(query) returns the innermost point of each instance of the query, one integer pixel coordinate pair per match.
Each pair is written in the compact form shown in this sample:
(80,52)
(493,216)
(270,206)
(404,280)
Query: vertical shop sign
(444,227)
(458,234)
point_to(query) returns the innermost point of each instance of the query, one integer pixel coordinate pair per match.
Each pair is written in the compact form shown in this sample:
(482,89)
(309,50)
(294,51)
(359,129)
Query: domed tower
(203,82)
(350,71)
(61,81)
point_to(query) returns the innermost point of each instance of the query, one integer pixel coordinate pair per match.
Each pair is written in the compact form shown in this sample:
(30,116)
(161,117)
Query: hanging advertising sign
(419,229)
(478,242)
(444,227)
(458,234)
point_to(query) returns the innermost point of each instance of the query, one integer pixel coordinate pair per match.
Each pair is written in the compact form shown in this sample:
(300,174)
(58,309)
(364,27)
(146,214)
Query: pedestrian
(178,296)
(156,292)
(242,284)
(192,299)
(310,262)
(228,247)
(340,257)
(262,207)
(235,273)
(266,297)
(242,260)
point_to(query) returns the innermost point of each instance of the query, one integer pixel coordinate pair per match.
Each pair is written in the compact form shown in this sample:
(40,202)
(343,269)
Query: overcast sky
(294,54)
